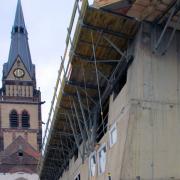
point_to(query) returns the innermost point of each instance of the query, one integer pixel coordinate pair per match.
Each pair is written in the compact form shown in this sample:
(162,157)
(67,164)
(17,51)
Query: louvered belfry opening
(25,119)
(17,29)
(13,119)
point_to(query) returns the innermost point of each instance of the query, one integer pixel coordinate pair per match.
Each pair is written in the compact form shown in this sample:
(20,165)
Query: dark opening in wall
(16,29)
(102,121)
(21,30)
(20,154)
(1,143)
(120,84)
(13,118)
(76,155)
(25,119)
(66,167)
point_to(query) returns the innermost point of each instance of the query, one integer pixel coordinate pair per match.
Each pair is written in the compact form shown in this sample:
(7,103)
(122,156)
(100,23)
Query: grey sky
(47,23)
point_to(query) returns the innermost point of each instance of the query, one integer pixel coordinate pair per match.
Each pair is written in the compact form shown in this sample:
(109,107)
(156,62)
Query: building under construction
(115,112)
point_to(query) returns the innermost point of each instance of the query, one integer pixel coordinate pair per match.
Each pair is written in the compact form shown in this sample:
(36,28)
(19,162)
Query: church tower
(20,105)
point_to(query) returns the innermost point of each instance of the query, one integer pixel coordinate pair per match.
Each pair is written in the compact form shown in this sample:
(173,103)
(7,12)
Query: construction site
(116,105)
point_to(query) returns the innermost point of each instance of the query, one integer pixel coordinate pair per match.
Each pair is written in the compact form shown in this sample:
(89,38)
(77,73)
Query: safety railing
(63,74)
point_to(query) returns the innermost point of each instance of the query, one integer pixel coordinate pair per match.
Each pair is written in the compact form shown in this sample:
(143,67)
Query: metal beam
(75,7)
(91,59)
(52,159)
(103,76)
(164,30)
(124,65)
(68,109)
(89,97)
(81,84)
(114,46)
(97,77)
(90,44)
(94,127)
(105,30)
(172,35)
(65,108)
(56,151)
(68,147)
(160,18)
(75,95)
(68,139)
(174,10)
(64,150)
(163,17)
(79,123)
(75,136)
(64,133)
(83,115)
(59,149)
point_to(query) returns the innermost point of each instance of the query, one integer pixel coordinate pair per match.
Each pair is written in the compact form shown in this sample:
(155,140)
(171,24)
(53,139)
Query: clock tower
(20,105)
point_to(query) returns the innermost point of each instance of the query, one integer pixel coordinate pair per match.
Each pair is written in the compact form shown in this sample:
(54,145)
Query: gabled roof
(19,44)
(11,162)
(20,144)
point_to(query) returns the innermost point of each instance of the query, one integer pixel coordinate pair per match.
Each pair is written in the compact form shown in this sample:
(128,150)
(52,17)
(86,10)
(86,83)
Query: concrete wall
(119,114)
(147,113)
(152,148)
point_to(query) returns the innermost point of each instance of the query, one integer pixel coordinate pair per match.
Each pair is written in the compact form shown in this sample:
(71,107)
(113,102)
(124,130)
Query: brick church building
(20,107)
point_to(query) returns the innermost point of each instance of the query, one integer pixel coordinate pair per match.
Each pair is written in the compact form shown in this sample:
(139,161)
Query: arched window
(13,118)
(25,119)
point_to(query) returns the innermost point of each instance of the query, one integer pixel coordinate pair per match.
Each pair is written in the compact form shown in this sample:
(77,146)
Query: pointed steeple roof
(19,18)
(19,44)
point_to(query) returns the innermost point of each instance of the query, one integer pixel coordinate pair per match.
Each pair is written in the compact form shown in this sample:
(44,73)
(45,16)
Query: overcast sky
(46,23)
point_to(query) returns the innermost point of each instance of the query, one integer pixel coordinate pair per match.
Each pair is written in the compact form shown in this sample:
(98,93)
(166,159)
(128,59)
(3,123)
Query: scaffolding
(97,55)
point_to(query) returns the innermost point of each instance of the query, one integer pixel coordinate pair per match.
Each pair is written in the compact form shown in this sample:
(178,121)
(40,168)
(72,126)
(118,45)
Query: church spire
(19,18)
(19,44)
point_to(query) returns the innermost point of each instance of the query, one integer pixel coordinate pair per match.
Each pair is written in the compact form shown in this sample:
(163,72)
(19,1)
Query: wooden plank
(101,3)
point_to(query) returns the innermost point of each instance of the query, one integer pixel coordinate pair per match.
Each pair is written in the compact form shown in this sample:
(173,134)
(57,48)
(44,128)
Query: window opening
(102,123)
(92,164)
(16,29)
(102,159)
(113,135)
(14,119)
(121,83)
(1,144)
(20,154)
(75,155)
(21,30)
(25,119)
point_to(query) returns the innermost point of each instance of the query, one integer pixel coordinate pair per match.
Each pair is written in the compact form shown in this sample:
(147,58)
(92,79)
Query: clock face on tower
(19,73)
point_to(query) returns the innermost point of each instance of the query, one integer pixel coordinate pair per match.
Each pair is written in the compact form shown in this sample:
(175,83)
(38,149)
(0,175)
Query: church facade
(20,107)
